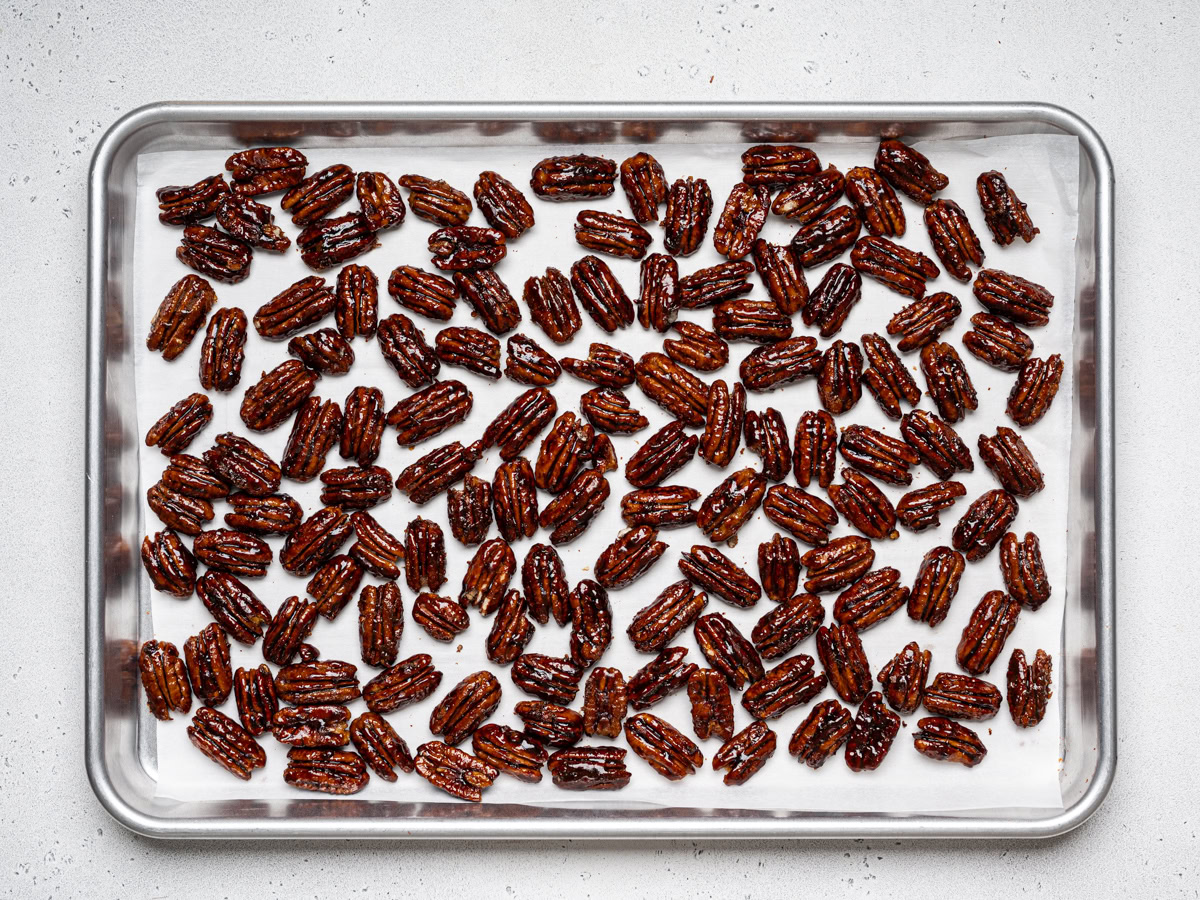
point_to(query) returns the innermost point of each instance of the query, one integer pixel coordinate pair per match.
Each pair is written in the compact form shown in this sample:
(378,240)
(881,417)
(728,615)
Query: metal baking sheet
(117,764)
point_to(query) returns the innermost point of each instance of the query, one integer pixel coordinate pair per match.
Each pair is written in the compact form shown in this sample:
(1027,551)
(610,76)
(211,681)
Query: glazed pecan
(487,576)
(601,294)
(938,445)
(903,679)
(875,728)
(662,676)
(821,733)
(838,564)
(777,165)
(605,703)
(183,204)
(1002,210)
(923,320)
(668,506)
(757,321)
(815,454)
(1028,687)
(466,707)
(998,342)
(667,750)
(809,196)
(656,625)
(436,201)
(723,426)
(871,599)
(503,205)
(779,568)
(324,351)
(949,384)
(491,300)
(233,552)
(659,297)
(265,170)
(578,177)
(179,511)
(828,237)
(961,697)
(791,683)
(318,682)
(992,621)
(442,617)
(876,202)
(315,540)
(1024,302)
(180,424)
(745,753)
(514,500)
(552,305)
(408,681)
(774,366)
(1023,570)
(314,433)
(570,513)
(544,581)
(727,650)
(356,487)
(325,769)
(864,505)
(708,286)
(330,242)
(984,523)
(552,678)
(423,292)
(278,394)
(319,194)
(591,622)
(511,630)
(664,453)
(604,232)
(469,510)
(165,679)
(886,377)
(169,563)
(919,509)
(223,350)
(908,170)
(713,571)
(428,412)
(423,552)
(936,585)
(528,363)
(1034,390)
(380,200)
(467,248)
(1011,462)
(312,726)
(254,691)
(712,707)
(362,424)
(380,623)
(841,654)
(741,220)
(589,769)
(673,388)
(356,303)
(220,256)
(954,240)
(549,723)
(192,477)
(781,629)
(940,739)
(295,308)
(629,557)
(605,366)
(878,454)
(180,315)
(509,751)
(233,605)
(457,773)
(470,349)
(380,747)
(898,268)
(731,504)
(831,301)
(289,628)
(226,743)
(838,380)
(608,409)
(806,517)
(519,423)
(645,186)
(436,471)
(252,222)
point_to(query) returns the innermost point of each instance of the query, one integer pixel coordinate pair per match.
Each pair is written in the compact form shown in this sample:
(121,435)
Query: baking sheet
(1022,768)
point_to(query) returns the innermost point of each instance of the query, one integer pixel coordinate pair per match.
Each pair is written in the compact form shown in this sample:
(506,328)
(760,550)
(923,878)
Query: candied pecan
(875,727)
(356,303)
(791,683)
(806,198)
(295,308)
(953,239)
(470,349)
(423,552)
(509,751)
(317,682)
(549,723)
(612,234)
(898,268)
(589,769)
(673,388)
(745,753)
(837,564)
(468,248)
(668,506)
(315,540)
(876,202)
(828,237)
(605,366)
(779,567)
(233,605)
(842,656)
(544,581)
(712,707)
(936,585)
(511,630)
(605,702)
(457,773)
(233,552)
(711,285)
(645,186)
(325,769)
(226,743)
(356,487)
(179,511)
(984,523)
(919,509)
(466,707)
(713,571)
(777,165)
(831,301)
(1024,302)
(180,424)
(878,454)
(441,617)
(491,300)
(838,381)
(314,432)
(727,650)
(408,681)
(192,477)
(659,299)
(318,194)
(1023,570)
(601,294)
(1028,687)
(220,256)
(278,394)
(938,445)
(570,513)
(265,170)
(696,347)
(908,170)
(514,500)
(591,622)
(864,505)
(1034,390)
(961,697)
(552,306)
(379,745)
(656,625)
(940,739)
(428,412)
(528,363)
(922,321)
(731,504)
(806,517)
(362,424)
(815,454)
(549,677)
(662,676)
(629,557)
(487,576)
(183,204)
(664,453)
(949,384)
(992,621)
(564,451)
(469,510)
(1011,462)
(774,366)
(329,242)
(766,435)
(519,423)
(436,201)
(169,563)
(903,679)
(324,351)
(436,471)
(741,220)
(312,726)
(997,342)
(165,679)
(886,377)
(502,204)
(380,623)
(382,205)
(292,624)
(423,292)
(821,733)
(180,315)
(723,426)
(781,629)
(871,599)
(1002,210)
(757,321)
(667,750)
(254,691)
(252,223)
(223,350)
(578,177)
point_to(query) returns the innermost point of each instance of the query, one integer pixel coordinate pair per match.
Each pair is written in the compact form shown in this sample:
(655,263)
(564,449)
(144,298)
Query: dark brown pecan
(903,679)
(325,769)
(1024,302)
(840,375)
(831,301)
(741,220)
(998,342)
(961,697)
(1028,687)
(908,170)
(356,487)
(326,243)
(708,286)
(953,239)
(180,315)
(318,682)
(436,201)
(828,237)
(629,557)
(428,412)
(779,567)
(922,321)
(936,585)
(605,366)
(578,177)
(470,349)
(794,620)
(838,564)
(324,351)
(457,773)
(314,433)
(1023,570)
(712,707)
(745,753)
(605,703)
(565,450)
(815,454)
(528,363)
(318,194)
(946,741)
(254,691)
(822,732)
(792,683)
(570,513)
(1011,462)
(165,679)
(1002,210)
(294,309)
(423,292)
(886,377)
(871,599)
(233,605)
(601,294)
(842,656)
(723,426)
(519,423)
(466,707)
(919,509)
(552,306)
(715,572)
(656,625)
(757,321)
(777,165)
(180,424)
(992,621)
(380,623)
(423,552)
(442,617)
(511,630)
(220,256)
(226,743)
(192,477)
(667,750)
(379,745)
(806,198)
(984,523)
(612,234)
(356,303)
(487,576)
(673,388)
(696,347)
(292,624)
(659,298)
(875,728)
(514,500)
(659,678)
(265,170)
(334,583)
(251,222)
(898,268)
(382,205)
(233,551)
(878,454)
(731,504)
(183,204)
(938,445)
(589,769)
(591,622)
(468,248)
(664,453)
(767,436)
(806,517)
(223,350)
(552,678)
(362,425)
(668,506)
(278,394)
(777,365)
(469,510)
(315,540)
(509,751)
(408,681)
(645,186)
(503,205)
(169,563)
(876,202)
(864,505)
(1034,390)
(312,726)
(549,723)
(949,384)
(436,471)
(179,511)
(727,650)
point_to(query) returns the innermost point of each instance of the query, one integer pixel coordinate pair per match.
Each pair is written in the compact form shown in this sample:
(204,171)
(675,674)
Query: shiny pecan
(667,506)
(295,308)
(815,452)
(487,576)
(792,683)
(809,196)
(605,366)
(312,726)
(514,500)
(805,516)
(654,626)
(871,599)
(919,509)
(1023,570)
(552,678)
(470,349)
(429,411)
(936,584)
(923,320)
(278,394)
(380,623)
(511,630)
(953,238)
(779,568)
(308,653)
(356,487)
(1024,302)
(878,454)
(766,435)
(821,733)
(777,365)
(289,628)
(380,200)
(757,321)
(696,347)
(226,743)
(1003,210)
(828,237)
(467,248)
(946,741)
(180,424)
(356,303)
(319,194)
(745,753)
(715,572)
(831,301)
(998,342)
(380,747)
(903,679)
(180,316)
(169,563)
(673,388)
(578,177)
(570,513)
(589,769)
(436,471)
(192,477)
(629,557)
(1028,687)
(436,201)
(727,650)
(442,617)
(408,681)
(961,697)
(984,523)
(183,204)
(741,220)
(503,205)
(324,351)
(992,621)
(329,242)
(362,425)
(1034,390)
(509,751)
(659,297)
(466,707)
(949,384)
(233,552)
(664,453)
(492,302)
(423,552)
(909,170)
(840,375)
(254,691)
(179,511)
(457,773)
(708,286)
(875,728)
(645,186)
(712,706)
(519,423)
(251,222)
(605,703)
(469,510)
(223,350)
(544,581)
(565,450)
(659,678)
(325,769)
(591,622)
(265,170)
(877,204)
(423,292)
(314,433)
(315,540)
(723,426)
(777,165)
(552,305)
(318,682)
(233,605)
(1011,462)
(837,564)
(220,256)
(601,294)
(841,654)
(604,232)
(165,679)
(898,268)
(528,363)
(938,445)
(731,504)
(886,377)
(781,629)
(549,723)
(667,750)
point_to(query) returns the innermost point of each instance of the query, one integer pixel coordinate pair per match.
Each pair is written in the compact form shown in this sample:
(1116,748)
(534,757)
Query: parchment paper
(1022,766)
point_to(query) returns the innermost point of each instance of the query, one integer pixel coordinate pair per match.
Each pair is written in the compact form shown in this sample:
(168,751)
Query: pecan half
(314,433)
(570,513)
(838,564)
(712,570)
(815,453)
(936,584)
(659,297)
(233,605)
(629,557)
(519,423)
(871,599)
(781,629)
(442,618)
(992,621)
(265,170)
(292,624)
(589,769)
(324,351)
(1028,687)
(183,204)
(723,426)
(961,697)
(251,222)
(673,388)
(954,240)
(382,205)
(329,242)
(467,248)
(949,384)
(514,499)
(909,170)
(503,205)
(1024,302)
(712,284)
(727,650)
(839,378)
(841,653)
(821,733)
(552,678)
(436,471)
(984,523)
(552,305)
(791,683)
(312,726)
(1011,462)
(487,576)
(806,517)
(408,681)
(757,321)
(406,351)
(919,509)
(1034,390)
(511,630)
(544,581)
(831,301)
(938,445)
(469,510)
(315,540)
(180,315)
(220,256)
(164,678)
(509,751)
(809,196)
(886,377)
(436,201)
(356,303)
(577,177)
(903,679)
(774,366)
(601,294)
(659,678)
(169,563)
(223,350)
(946,741)
(878,454)
(278,394)
(325,769)
(898,268)
(731,504)
(766,435)
(604,232)
(380,623)
(457,773)
(668,506)
(741,220)
(998,342)
(864,505)
(605,703)
(876,202)
(591,622)
(254,691)
(1003,210)
(605,366)
(776,165)
(226,743)
(318,682)
(423,551)
(319,194)
(922,321)
(491,300)
(470,349)
(1023,570)
(779,567)
(667,750)
(528,363)
(179,511)
(356,487)
(192,477)
(233,551)
(466,707)
(875,728)
(380,747)
(827,237)
(180,424)
(689,206)
(664,453)
(712,706)
(645,186)
(295,308)
(745,753)
(428,412)
(423,292)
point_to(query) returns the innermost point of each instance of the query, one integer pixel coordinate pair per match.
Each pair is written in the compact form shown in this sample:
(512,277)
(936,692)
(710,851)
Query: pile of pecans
(557,469)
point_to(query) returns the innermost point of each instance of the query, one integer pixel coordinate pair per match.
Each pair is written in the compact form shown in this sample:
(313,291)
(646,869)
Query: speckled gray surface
(68,71)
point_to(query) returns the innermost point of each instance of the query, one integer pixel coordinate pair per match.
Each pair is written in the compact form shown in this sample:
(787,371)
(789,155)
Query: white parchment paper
(1022,766)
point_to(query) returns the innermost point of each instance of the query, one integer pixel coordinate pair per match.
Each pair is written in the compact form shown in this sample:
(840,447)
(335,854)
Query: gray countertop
(68,73)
